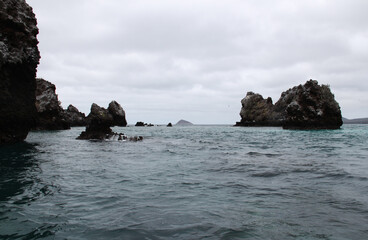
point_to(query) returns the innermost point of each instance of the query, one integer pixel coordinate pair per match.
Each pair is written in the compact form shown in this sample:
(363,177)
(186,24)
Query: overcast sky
(166,60)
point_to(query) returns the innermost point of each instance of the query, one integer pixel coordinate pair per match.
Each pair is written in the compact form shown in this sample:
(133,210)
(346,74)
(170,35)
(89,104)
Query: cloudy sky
(166,60)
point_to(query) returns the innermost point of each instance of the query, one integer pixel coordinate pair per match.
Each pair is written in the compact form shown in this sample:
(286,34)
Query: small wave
(270,155)
(267,174)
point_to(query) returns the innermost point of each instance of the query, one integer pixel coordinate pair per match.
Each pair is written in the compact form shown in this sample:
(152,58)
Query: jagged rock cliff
(308,106)
(19,57)
(50,113)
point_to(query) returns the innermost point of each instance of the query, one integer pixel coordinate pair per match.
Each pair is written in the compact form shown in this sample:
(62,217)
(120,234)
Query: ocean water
(200,182)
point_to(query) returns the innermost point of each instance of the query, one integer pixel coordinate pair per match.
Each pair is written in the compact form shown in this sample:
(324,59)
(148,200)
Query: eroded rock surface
(50,113)
(19,57)
(257,111)
(308,106)
(99,123)
(74,117)
(118,114)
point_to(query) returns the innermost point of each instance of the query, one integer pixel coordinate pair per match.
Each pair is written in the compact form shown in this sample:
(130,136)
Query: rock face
(50,113)
(100,121)
(118,114)
(74,117)
(19,57)
(308,106)
(257,111)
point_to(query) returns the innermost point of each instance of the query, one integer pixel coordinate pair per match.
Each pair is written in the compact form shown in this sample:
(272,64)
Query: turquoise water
(200,182)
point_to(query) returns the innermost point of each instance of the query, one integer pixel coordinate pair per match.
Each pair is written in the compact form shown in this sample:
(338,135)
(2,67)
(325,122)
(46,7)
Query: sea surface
(199,182)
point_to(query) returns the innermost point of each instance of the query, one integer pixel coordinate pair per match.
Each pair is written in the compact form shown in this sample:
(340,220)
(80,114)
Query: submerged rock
(19,57)
(308,106)
(50,113)
(74,117)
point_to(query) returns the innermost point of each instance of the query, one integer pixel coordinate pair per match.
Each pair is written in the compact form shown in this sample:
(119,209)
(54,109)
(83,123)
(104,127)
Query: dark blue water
(202,182)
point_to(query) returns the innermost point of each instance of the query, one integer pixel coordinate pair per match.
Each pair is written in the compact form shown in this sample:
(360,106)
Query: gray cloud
(165,60)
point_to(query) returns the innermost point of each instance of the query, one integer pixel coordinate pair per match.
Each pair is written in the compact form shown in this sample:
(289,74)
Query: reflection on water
(18,169)
(20,185)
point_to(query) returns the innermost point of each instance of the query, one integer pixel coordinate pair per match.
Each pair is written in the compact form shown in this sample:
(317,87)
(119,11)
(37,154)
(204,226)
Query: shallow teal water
(201,182)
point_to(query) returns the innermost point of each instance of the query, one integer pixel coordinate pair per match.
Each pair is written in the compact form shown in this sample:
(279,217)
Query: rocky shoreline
(28,103)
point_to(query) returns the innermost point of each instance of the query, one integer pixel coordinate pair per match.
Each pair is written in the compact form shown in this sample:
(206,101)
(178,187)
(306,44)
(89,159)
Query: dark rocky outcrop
(257,111)
(308,106)
(139,124)
(169,125)
(74,117)
(50,113)
(100,121)
(118,114)
(142,124)
(19,57)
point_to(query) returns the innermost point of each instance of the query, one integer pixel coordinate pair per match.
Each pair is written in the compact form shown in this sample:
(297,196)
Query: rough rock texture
(19,57)
(118,114)
(257,111)
(308,106)
(74,117)
(99,122)
(50,113)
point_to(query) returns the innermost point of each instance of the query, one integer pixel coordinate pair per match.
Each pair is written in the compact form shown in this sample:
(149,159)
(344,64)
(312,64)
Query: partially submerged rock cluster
(308,106)
(100,121)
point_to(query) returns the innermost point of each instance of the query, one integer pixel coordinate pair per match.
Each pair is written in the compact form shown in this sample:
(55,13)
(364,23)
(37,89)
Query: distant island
(184,123)
(355,121)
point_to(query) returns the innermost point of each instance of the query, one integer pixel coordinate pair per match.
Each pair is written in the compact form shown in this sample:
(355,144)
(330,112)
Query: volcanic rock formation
(308,106)
(19,57)
(118,114)
(100,121)
(50,113)
(257,111)
(74,117)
